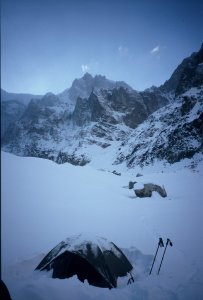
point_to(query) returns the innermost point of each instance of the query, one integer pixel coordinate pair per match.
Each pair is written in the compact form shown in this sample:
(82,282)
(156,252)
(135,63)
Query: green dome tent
(97,260)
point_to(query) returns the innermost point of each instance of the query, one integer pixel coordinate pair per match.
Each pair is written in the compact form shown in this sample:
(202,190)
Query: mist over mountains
(97,117)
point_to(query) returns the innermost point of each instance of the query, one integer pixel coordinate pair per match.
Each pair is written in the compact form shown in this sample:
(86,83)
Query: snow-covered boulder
(148,189)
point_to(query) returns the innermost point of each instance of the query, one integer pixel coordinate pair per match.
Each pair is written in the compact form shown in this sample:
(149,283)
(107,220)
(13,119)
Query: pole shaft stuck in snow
(170,243)
(160,244)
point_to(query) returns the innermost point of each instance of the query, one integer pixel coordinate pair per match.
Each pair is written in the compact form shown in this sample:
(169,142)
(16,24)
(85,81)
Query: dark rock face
(39,121)
(97,111)
(187,75)
(153,100)
(136,116)
(81,114)
(171,134)
(42,109)
(84,86)
(134,107)
(11,111)
(83,83)
(90,110)
(179,145)
(188,104)
(122,100)
(107,131)
(72,159)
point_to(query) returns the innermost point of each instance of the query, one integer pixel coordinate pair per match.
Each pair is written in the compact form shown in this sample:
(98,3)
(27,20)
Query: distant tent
(99,261)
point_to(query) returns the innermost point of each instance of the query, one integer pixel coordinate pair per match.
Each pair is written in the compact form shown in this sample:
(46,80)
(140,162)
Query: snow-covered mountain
(12,107)
(97,117)
(173,133)
(49,129)
(84,86)
(22,98)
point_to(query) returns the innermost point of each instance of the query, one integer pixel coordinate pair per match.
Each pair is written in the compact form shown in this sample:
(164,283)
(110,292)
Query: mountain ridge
(94,119)
(188,74)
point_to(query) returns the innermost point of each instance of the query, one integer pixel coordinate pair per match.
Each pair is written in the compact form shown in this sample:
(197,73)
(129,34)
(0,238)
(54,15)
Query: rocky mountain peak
(97,115)
(82,87)
(188,74)
(49,99)
(87,76)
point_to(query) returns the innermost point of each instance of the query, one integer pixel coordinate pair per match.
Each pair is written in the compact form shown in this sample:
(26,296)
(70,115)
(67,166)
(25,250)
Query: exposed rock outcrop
(170,134)
(148,189)
(187,75)
(131,184)
(11,111)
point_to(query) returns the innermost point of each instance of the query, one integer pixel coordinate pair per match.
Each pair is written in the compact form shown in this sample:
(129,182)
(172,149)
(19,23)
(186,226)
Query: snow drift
(43,203)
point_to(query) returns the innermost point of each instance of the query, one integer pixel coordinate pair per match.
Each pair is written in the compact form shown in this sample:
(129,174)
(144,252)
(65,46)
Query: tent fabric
(99,261)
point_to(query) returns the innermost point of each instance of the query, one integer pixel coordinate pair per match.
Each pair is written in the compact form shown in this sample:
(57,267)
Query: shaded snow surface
(44,203)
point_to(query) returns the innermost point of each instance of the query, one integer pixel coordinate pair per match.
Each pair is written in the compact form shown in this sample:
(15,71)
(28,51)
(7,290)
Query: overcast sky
(46,44)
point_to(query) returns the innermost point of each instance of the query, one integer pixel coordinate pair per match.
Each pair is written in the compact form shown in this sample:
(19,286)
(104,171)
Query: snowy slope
(172,133)
(44,203)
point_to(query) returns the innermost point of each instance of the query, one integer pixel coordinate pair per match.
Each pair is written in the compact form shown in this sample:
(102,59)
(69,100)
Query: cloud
(85,68)
(123,51)
(155,50)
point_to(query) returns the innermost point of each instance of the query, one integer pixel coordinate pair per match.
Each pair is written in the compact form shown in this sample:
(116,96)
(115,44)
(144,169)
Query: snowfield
(44,203)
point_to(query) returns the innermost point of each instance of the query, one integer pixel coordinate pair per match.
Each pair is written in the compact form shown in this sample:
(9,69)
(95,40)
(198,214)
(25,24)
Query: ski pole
(160,244)
(170,243)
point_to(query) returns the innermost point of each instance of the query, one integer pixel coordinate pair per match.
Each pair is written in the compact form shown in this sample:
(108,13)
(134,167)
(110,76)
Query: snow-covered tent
(97,260)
